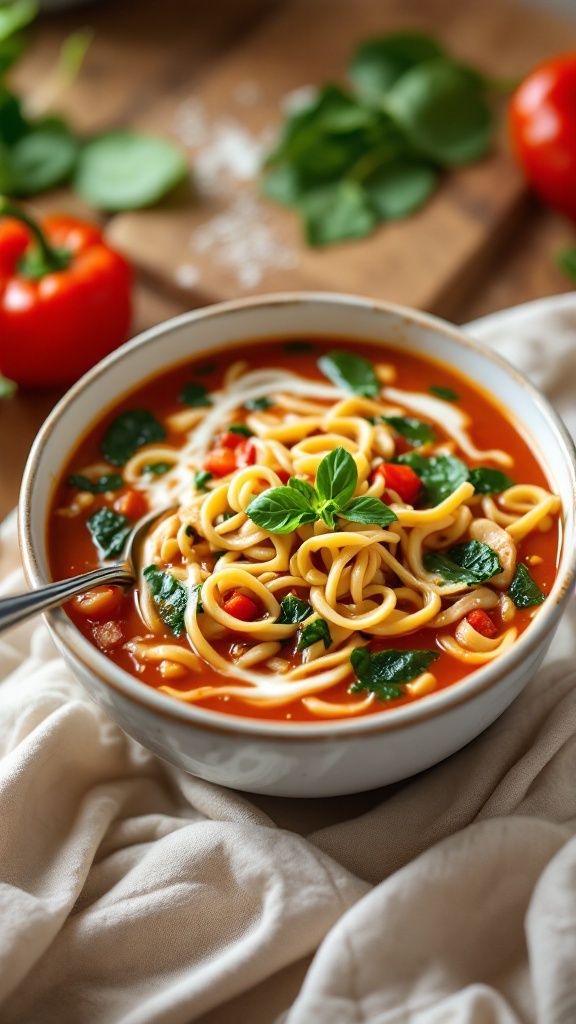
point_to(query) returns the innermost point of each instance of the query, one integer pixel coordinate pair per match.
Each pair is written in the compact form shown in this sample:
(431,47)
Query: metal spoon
(22,606)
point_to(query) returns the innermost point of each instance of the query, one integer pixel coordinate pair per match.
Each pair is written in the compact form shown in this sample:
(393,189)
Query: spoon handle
(22,606)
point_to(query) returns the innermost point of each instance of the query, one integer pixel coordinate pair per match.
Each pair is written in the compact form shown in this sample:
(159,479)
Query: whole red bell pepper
(65,298)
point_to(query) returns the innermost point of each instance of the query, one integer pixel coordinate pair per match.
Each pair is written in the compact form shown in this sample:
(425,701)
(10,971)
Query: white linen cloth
(131,893)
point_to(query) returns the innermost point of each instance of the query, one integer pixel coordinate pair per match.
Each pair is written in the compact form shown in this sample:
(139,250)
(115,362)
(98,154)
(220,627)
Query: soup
(349,527)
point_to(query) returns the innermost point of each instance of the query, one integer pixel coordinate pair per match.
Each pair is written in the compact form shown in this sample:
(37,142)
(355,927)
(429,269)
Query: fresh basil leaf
(16,15)
(379,62)
(384,673)
(440,474)
(8,388)
(170,597)
(414,431)
(336,477)
(108,482)
(129,432)
(470,563)
(305,489)
(41,160)
(258,404)
(524,592)
(280,510)
(13,124)
(352,372)
(446,393)
(566,261)
(197,589)
(442,110)
(370,511)
(283,184)
(489,481)
(293,610)
(400,187)
(314,631)
(241,429)
(158,468)
(336,212)
(109,531)
(195,395)
(126,171)
(201,478)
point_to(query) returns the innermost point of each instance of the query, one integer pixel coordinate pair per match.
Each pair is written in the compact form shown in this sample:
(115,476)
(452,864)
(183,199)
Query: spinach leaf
(336,213)
(109,482)
(194,394)
(414,431)
(241,429)
(158,468)
(352,372)
(367,510)
(446,393)
(201,478)
(378,63)
(109,531)
(440,474)
(280,510)
(314,631)
(258,404)
(470,563)
(42,159)
(336,477)
(384,673)
(293,610)
(129,432)
(197,589)
(170,597)
(125,170)
(489,481)
(524,592)
(400,187)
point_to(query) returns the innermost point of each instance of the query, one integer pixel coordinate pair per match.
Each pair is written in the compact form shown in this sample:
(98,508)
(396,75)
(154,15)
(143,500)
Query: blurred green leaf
(126,171)
(378,63)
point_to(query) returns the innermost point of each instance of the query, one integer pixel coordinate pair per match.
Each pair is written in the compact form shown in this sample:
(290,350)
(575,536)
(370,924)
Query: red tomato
(221,461)
(401,479)
(543,131)
(241,607)
(132,504)
(482,623)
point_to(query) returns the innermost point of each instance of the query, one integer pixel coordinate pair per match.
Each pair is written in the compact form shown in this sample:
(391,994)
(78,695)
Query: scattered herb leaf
(197,589)
(524,592)
(108,482)
(440,474)
(240,428)
(384,673)
(158,468)
(352,372)
(195,395)
(470,563)
(109,531)
(446,393)
(201,478)
(489,481)
(258,404)
(129,432)
(314,631)
(414,431)
(293,610)
(170,597)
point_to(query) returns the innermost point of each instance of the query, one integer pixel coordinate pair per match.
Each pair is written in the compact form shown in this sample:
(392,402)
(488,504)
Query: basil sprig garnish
(471,562)
(442,474)
(416,432)
(524,592)
(109,531)
(352,372)
(170,597)
(384,673)
(128,432)
(314,631)
(283,509)
(107,482)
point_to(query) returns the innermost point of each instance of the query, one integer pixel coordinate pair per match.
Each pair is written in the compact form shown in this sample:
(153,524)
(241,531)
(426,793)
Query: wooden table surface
(144,52)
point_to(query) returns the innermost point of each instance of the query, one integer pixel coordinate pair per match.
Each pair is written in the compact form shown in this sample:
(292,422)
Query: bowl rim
(391,719)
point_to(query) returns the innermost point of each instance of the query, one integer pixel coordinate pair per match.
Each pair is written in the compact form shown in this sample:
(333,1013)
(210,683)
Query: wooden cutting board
(224,240)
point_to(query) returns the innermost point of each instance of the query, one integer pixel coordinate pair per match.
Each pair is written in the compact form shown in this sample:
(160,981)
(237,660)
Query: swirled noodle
(366,583)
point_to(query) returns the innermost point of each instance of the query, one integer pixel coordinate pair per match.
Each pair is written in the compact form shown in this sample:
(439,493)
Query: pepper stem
(50,258)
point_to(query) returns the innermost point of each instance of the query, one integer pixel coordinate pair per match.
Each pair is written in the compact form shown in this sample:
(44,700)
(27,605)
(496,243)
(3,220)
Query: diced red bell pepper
(241,607)
(400,478)
(132,504)
(283,475)
(234,455)
(221,462)
(482,623)
(245,454)
(231,440)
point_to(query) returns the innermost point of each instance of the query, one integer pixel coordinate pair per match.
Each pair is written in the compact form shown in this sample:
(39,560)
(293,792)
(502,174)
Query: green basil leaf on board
(201,478)
(471,562)
(129,432)
(370,511)
(440,474)
(41,160)
(416,432)
(400,187)
(384,673)
(109,531)
(125,170)
(351,372)
(108,482)
(446,393)
(336,477)
(489,481)
(524,592)
(293,610)
(170,597)
(336,212)
(314,631)
(280,510)
(378,63)
(443,112)
(195,395)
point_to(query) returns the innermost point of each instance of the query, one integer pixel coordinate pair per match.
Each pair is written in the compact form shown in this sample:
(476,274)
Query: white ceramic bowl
(287,758)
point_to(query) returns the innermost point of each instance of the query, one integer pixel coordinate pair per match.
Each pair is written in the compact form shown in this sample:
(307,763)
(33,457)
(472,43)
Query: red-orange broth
(71,549)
